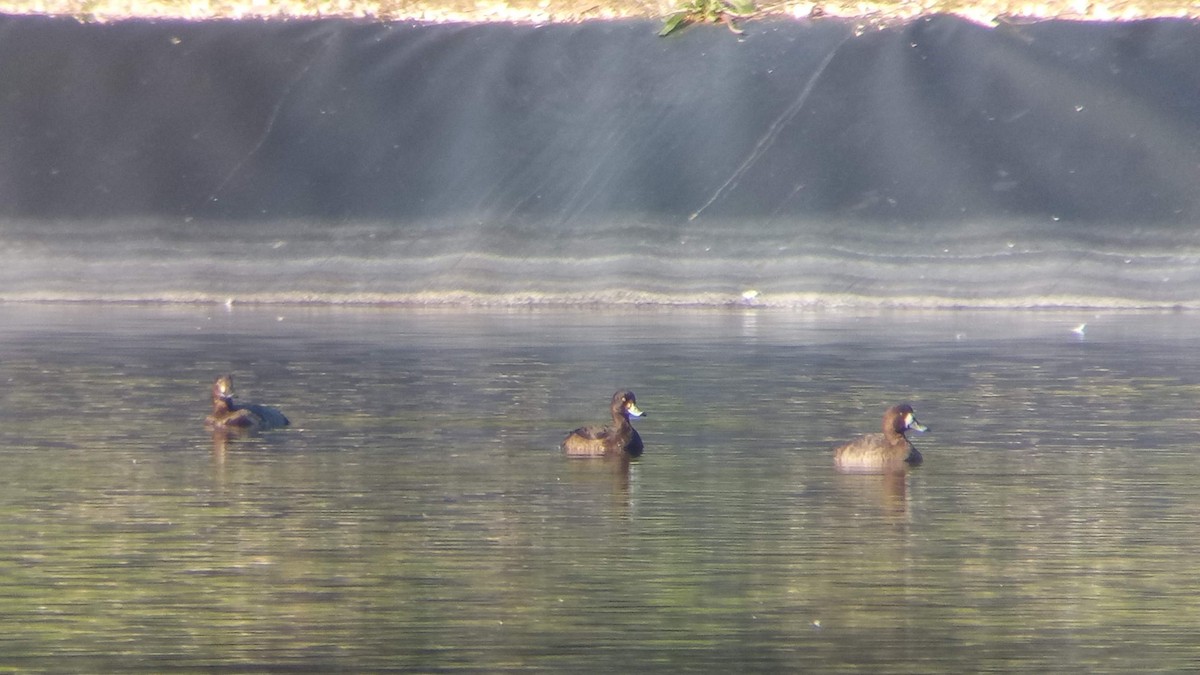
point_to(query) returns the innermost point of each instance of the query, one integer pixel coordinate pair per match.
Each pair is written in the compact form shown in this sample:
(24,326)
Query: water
(417,516)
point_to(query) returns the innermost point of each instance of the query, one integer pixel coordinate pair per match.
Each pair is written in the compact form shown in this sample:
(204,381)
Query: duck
(227,415)
(618,440)
(886,452)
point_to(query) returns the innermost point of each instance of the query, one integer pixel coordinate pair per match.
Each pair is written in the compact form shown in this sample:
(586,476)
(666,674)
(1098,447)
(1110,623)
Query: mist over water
(707,262)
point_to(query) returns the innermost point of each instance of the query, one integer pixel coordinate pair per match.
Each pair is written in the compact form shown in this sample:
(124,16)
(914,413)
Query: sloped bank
(174,155)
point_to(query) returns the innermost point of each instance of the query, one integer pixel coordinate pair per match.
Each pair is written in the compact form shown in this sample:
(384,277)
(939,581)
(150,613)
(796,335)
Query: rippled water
(417,516)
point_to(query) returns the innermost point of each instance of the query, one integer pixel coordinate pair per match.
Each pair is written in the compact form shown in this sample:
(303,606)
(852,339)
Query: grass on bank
(675,13)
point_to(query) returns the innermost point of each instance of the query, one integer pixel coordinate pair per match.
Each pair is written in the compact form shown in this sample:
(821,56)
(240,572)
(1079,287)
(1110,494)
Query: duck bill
(915,425)
(634,411)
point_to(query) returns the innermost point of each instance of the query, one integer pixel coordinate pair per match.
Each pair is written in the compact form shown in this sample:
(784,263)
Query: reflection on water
(887,492)
(418,514)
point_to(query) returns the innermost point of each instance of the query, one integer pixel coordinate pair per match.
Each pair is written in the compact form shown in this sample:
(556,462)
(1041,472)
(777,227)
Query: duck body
(886,452)
(619,439)
(229,415)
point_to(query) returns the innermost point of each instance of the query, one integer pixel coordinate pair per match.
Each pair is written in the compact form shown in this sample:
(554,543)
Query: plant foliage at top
(709,11)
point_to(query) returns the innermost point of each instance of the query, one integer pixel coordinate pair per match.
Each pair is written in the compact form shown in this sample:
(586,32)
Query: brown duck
(886,452)
(228,415)
(619,439)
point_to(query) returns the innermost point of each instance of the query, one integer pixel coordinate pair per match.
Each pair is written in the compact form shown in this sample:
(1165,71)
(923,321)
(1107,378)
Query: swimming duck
(885,452)
(230,416)
(620,439)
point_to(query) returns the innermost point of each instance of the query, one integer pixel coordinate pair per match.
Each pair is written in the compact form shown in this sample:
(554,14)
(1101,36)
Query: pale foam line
(611,297)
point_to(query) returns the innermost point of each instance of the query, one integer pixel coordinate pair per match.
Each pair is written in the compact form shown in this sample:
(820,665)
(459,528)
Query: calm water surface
(418,516)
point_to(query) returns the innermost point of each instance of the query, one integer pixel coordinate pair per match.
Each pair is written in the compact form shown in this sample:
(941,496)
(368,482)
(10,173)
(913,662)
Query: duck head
(624,403)
(900,418)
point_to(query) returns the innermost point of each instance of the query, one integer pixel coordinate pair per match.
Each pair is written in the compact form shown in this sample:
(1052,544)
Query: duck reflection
(220,442)
(888,492)
(612,475)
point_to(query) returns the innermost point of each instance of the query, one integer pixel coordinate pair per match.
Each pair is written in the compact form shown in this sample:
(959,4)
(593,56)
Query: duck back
(601,441)
(876,452)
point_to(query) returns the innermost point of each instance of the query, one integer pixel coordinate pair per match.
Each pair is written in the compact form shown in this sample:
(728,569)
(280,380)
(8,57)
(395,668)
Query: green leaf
(673,23)
(742,7)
